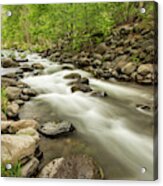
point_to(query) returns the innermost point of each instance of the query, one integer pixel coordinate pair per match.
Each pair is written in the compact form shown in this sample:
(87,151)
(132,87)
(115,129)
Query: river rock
(53,129)
(97,56)
(22,85)
(83,62)
(101,48)
(143,107)
(8,82)
(12,110)
(12,127)
(30,132)
(11,75)
(83,80)
(29,92)
(129,68)
(99,94)
(96,63)
(9,63)
(38,66)
(145,69)
(72,76)
(67,67)
(17,148)
(26,68)
(81,87)
(24,97)
(19,102)
(30,168)
(73,167)
(13,93)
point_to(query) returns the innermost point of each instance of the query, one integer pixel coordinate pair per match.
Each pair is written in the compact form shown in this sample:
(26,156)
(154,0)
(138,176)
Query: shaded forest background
(38,27)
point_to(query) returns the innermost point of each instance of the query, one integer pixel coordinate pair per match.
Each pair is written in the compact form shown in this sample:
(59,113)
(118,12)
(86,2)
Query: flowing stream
(118,135)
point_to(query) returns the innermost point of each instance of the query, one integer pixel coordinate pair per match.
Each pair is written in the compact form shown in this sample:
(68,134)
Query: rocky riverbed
(62,122)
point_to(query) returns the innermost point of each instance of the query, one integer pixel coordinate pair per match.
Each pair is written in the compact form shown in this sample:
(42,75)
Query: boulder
(53,129)
(14,126)
(129,68)
(12,110)
(73,167)
(145,69)
(29,132)
(30,168)
(17,148)
(13,93)
(72,76)
(9,63)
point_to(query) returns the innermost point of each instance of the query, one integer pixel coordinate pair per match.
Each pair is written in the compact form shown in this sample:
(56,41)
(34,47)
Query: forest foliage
(38,26)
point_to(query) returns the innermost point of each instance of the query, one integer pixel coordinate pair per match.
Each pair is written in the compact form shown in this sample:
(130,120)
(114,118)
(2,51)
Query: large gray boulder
(73,167)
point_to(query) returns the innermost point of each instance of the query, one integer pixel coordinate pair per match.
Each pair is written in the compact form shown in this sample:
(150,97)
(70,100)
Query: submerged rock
(53,129)
(72,167)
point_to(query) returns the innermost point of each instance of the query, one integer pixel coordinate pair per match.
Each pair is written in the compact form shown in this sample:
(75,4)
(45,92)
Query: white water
(113,126)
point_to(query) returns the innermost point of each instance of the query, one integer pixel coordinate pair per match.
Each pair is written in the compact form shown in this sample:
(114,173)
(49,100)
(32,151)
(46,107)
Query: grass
(15,171)
(4,100)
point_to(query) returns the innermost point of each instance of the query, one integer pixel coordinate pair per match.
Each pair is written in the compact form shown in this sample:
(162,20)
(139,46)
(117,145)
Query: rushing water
(117,134)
